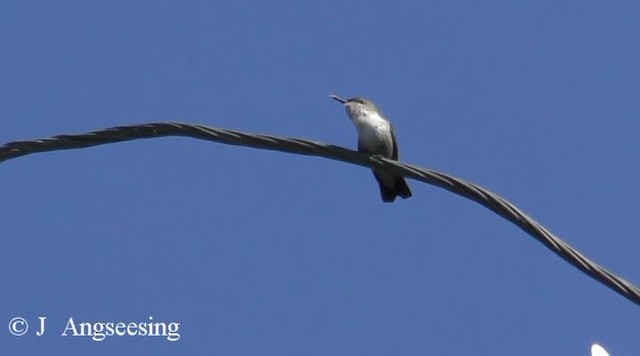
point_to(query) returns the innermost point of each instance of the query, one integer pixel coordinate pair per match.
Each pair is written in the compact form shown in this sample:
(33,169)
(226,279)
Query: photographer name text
(101,330)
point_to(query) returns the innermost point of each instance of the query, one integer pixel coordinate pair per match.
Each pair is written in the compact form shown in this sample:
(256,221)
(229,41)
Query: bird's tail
(402,188)
(389,192)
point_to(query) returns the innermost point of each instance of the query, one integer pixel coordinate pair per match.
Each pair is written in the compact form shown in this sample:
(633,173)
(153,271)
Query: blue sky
(264,253)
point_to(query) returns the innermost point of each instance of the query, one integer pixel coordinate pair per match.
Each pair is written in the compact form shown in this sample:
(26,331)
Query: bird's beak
(337,98)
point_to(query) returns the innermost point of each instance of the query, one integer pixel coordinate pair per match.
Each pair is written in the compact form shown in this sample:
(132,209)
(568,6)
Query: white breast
(374,133)
(371,126)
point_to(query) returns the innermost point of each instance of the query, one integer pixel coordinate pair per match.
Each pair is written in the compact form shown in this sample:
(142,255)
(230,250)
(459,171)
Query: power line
(458,186)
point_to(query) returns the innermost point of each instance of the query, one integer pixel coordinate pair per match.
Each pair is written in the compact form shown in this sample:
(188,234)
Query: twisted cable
(458,186)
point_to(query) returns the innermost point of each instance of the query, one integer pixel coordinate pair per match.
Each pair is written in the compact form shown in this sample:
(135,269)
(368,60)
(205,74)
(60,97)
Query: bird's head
(357,105)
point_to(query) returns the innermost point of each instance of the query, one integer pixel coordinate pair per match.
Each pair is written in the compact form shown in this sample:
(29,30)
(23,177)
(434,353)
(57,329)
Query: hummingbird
(376,136)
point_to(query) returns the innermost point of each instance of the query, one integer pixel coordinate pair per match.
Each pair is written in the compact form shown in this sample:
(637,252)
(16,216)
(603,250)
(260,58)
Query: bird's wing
(394,153)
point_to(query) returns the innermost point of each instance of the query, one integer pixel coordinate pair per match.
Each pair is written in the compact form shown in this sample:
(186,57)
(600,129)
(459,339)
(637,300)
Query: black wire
(305,147)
